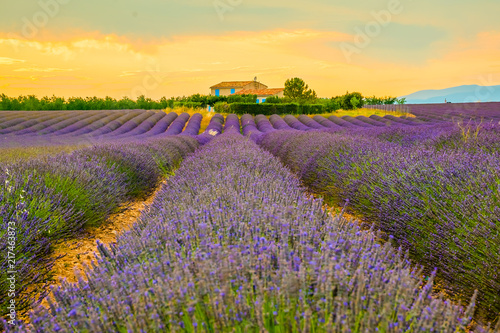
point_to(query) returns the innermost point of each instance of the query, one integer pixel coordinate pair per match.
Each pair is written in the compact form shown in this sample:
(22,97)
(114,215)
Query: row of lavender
(96,125)
(20,127)
(232,243)
(487,112)
(50,199)
(435,189)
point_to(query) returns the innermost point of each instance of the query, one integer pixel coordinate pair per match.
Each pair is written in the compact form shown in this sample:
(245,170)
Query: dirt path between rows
(81,251)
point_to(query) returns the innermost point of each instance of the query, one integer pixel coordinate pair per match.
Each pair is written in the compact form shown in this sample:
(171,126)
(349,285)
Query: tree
(350,101)
(297,90)
(373,100)
(390,100)
(356,102)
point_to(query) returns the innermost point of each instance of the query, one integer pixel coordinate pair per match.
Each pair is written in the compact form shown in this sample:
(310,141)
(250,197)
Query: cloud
(137,72)
(46,70)
(10,61)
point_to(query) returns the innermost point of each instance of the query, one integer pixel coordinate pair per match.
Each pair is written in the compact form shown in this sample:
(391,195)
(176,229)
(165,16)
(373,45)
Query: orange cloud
(38,69)
(10,61)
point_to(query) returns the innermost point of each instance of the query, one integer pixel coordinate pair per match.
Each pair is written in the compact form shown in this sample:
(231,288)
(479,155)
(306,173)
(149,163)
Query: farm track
(75,254)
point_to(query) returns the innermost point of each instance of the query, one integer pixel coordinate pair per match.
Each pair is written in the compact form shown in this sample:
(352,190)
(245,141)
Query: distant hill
(460,94)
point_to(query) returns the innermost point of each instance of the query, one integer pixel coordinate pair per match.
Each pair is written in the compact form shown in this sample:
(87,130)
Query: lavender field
(240,235)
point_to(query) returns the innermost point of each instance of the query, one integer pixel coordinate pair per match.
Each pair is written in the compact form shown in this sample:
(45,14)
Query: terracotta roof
(231,84)
(260,92)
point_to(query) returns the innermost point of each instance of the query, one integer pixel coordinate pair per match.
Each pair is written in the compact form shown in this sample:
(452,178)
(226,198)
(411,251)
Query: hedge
(270,109)
(192,105)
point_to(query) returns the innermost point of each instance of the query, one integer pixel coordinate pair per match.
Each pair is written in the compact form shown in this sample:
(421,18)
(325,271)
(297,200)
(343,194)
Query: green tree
(373,100)
(350,101)
(355,102)
(297,90)
(5,102)
(390,100)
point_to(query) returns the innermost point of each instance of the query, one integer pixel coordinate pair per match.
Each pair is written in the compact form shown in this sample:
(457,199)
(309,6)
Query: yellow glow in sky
(397,57)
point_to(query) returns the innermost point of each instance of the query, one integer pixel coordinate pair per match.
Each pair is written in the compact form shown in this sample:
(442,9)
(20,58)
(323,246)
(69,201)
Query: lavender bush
(72,124)
(339,121)
(263,124)
(114,124)
(279,123)
(177,125)
(131,124)
(371,121)
(249,127)
(309,122)
(400,120)
(31,122)
(355,121)
(326,122)
(295,123)
(232,123)
(53,122)
(213,129)
(144,126)
(485,111)
(20,118)
(162,125)
(88,125)
(193,126)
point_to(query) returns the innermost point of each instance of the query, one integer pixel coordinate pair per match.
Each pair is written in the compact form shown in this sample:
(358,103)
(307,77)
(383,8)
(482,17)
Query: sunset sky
(181,47)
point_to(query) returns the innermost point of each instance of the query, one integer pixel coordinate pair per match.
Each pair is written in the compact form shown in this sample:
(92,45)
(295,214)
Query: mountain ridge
(459,94)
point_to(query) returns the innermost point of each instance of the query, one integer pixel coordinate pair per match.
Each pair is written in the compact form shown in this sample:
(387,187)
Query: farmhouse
(231,87)
(245,88)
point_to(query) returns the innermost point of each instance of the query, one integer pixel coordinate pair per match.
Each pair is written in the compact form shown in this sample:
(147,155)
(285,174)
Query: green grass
(363,112)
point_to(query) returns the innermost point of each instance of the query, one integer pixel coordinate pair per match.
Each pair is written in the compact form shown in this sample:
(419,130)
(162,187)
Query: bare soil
(82,251)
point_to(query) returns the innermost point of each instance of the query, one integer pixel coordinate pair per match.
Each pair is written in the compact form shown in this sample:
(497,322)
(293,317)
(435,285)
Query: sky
(181,47)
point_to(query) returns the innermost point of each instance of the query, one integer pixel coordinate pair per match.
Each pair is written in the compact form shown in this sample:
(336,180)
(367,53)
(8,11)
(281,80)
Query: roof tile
(231,84)
(260,92)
